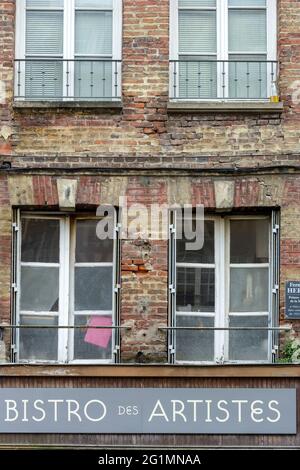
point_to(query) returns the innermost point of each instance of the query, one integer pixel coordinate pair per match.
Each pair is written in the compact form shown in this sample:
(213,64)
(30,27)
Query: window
(223,49)
(226,284)
(66,277)
(68,49)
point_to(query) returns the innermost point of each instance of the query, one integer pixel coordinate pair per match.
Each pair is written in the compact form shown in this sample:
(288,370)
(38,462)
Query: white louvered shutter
(198,43)
(93,40)
(44,39)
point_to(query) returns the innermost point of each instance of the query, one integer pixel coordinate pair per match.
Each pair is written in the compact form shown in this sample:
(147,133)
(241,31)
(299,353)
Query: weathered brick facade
(150,154)
(144,128)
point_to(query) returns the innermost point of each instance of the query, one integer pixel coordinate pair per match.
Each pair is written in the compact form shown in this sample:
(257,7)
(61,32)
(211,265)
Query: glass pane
(247,31)
(39,289)
(45,3)
(197,77)
(249,290)
(247,3)
(44,32)
(44,79)
(92,343)
(197,32)
(196,3)
(93,79)
(248,345)
(89,248)
(40,240)
(194,345)
(195,290)
(93,288)
(249,241)
(38,344)
(206,254)
(93,32)
(94,3)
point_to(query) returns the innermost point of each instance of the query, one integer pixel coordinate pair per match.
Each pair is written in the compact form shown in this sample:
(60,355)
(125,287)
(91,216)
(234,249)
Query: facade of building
(170,102)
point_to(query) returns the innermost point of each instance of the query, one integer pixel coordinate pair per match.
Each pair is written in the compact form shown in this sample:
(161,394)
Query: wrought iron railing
(47,347)
(197,79)
(280,348)
(52,79)
(282,351)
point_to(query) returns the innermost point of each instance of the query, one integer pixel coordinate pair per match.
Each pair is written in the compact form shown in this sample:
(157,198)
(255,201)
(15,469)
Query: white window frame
(222,313)
(68,45)
(66,313)
(222,53)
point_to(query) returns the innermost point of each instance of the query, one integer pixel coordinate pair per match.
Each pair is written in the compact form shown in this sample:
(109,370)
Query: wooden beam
(159,371)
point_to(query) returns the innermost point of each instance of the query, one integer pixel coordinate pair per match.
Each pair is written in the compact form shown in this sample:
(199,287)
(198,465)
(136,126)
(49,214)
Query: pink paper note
(98,336)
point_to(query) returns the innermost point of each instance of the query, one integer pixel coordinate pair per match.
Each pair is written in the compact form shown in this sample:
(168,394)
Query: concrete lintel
(113,105)
(225,106)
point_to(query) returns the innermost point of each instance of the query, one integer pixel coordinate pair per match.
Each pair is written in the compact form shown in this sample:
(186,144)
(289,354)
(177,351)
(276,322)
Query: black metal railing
(52,79)
(284,351)
(199,79)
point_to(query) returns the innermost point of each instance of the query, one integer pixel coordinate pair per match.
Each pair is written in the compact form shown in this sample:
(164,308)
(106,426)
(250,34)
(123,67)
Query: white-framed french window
(223,49)
(82,40)
(230,284)
(64,275)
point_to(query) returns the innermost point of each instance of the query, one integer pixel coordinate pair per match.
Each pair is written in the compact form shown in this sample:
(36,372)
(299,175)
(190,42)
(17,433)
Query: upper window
(68,49)
(66,291)
(223,49)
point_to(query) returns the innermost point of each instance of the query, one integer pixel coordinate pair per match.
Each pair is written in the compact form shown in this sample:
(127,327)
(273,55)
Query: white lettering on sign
(93,410)
(293,290)
(148,411)
(257,409)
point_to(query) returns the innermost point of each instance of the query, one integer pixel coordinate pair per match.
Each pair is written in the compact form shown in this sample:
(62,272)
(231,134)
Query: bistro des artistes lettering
(171,411)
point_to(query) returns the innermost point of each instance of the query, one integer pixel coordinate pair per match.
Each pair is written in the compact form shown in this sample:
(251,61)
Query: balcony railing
(194,79)
(284,340)
(48,79)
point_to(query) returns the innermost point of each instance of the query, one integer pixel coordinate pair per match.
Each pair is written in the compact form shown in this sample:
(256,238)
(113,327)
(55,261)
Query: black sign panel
(292,299)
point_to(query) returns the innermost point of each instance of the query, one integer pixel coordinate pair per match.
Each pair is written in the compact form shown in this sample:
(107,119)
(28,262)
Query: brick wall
(144,269)
(7,16)
(144,129)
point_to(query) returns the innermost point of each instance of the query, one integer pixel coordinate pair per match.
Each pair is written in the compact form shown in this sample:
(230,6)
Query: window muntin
(68,49)
(226,50)
(65,291)
(233,291)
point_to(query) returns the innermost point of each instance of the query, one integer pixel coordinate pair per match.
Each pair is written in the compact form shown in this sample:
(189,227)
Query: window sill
(114,105)
(224,106)
(157,371)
